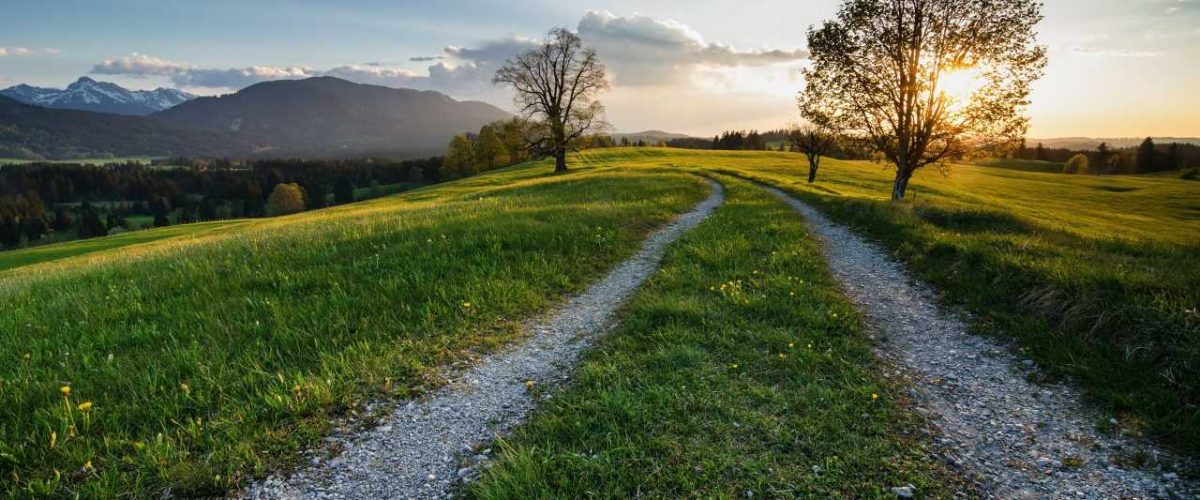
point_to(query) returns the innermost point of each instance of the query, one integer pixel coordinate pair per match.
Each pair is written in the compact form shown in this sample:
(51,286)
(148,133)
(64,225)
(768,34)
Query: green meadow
(739,367)
(198,361)
(208,354)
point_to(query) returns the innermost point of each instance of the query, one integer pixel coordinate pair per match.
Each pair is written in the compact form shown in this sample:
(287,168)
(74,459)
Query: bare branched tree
(556,88)
(814,141)
(925,81)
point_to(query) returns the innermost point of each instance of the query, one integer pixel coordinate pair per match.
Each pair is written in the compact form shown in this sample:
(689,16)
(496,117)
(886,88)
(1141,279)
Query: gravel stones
(427,447)
(1020,439)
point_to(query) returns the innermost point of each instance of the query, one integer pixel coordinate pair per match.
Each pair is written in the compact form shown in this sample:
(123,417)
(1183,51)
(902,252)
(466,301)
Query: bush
(1078,164)
(285,199)
(1188,173)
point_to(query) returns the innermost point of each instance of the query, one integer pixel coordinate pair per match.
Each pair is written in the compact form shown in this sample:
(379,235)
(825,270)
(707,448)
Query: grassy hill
(210,354)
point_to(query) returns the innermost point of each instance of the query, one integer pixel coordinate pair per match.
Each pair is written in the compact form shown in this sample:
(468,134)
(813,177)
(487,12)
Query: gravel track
(426,448)
(1015,438)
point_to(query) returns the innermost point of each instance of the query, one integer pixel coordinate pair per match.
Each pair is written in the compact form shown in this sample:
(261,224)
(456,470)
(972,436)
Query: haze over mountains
(321,117)
(86,94)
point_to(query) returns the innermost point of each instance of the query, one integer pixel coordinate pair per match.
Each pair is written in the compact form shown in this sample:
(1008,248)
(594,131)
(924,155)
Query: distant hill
(1086,143)
(330,117)
(37,133)
(650,136)
(87,94)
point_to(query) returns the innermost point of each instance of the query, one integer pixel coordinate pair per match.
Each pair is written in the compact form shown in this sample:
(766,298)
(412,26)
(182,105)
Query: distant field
(210,357)
(85,161)
(1049,167)
(1098,277)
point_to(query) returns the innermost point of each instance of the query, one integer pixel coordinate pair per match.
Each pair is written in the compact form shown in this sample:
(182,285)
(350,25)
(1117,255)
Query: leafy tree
(286,198)
(343,192)
(1078,164)
(556,87)
(460,157)
(1103,159)
(90,225)
(512,133)
(1146,156)
(925,81)
(1173,157)
(489,149)
(814,141)
(62,218)
(317,194)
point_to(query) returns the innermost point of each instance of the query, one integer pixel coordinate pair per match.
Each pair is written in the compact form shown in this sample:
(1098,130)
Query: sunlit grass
(738,369)
(210,358)
(1098,277)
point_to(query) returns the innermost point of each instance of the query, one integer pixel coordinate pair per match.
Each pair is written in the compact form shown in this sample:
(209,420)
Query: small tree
(286,198)
(925,81)
(556,87)
(1103,159)
(489,149)
(460,157)
(1078,164)
(814,141)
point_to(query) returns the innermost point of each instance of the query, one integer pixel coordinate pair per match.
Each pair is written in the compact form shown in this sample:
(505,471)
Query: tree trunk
(560,160)
(900,185)
(812,171)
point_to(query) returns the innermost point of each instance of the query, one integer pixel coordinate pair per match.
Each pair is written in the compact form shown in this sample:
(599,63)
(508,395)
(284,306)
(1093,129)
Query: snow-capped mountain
(90,95)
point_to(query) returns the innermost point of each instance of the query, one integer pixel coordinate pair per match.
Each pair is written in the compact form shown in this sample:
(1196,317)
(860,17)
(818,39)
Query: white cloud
(23,51)
(642,50)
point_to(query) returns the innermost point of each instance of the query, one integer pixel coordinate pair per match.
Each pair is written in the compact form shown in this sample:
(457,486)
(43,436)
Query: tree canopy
(925,81)
(556,88)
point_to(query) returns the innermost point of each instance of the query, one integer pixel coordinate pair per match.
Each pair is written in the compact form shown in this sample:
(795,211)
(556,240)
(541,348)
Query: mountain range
(327,117)
(320,117)
(86,94)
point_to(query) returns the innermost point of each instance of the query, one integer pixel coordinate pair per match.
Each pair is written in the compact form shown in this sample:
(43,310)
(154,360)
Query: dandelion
(88,466)
(793,294)
(874,396)
(27,356)
(734,366)
(782,355)
(65,390)
(187,389)
(791,345)
(529,385)
(296,389)
(85,406)
(466,305)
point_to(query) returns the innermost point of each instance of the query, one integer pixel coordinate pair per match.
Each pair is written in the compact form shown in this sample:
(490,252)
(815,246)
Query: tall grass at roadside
(188,365)
(1096,277)
(738,368)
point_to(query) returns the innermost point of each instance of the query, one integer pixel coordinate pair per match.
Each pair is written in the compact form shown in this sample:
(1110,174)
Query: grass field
(1096,277)
(194,363)
(738,368)
(211,356)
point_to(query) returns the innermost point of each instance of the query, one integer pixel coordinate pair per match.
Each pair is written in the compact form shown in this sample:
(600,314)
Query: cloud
(1118,53)
(22,51)
(642,50)
(639,51)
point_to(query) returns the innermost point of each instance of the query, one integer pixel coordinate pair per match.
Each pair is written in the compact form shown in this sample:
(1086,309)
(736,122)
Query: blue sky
(1117,68)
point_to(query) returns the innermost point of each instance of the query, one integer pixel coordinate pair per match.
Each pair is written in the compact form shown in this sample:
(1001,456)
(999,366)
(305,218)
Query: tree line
(1145,158)
(39,199)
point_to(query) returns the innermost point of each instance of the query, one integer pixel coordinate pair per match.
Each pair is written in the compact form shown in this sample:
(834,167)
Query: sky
(1117,68)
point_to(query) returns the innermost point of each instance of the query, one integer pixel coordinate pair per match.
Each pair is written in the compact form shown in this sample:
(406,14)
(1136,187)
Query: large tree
(556,87)
(925,81)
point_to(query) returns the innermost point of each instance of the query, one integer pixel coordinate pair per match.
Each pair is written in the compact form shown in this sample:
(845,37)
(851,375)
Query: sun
(959,84)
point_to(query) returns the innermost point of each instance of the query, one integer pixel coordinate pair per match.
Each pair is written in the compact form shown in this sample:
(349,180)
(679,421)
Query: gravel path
(428,446)
(1018,439)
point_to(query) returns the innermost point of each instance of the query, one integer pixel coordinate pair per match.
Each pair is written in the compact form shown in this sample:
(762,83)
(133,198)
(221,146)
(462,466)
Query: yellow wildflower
(782,355)
(467,305)
(296,388)
(874,396)
(65,390)
(187,389)
(529,384)
(85,406)
(88,466)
